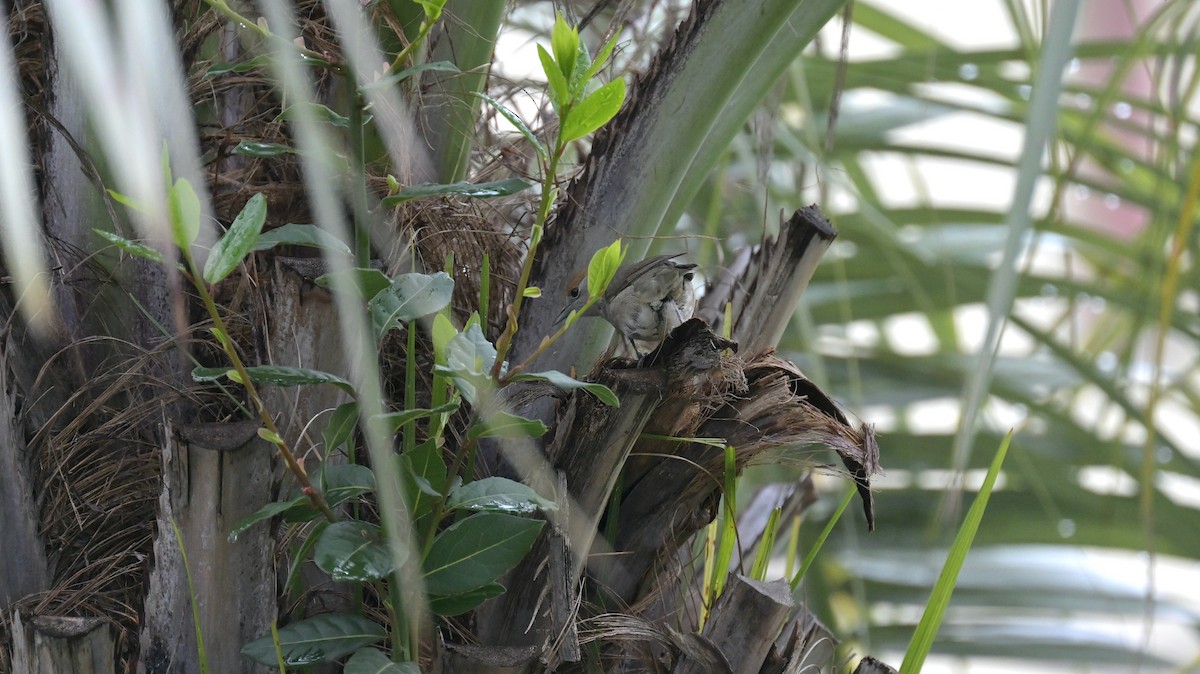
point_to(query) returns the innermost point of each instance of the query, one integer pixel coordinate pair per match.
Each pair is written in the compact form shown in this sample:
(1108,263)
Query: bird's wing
(630,273)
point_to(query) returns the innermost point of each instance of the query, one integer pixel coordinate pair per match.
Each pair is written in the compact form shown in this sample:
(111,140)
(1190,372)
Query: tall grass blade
(935,609)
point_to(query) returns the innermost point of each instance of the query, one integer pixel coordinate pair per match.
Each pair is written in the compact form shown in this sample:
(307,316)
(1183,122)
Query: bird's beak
(562,315)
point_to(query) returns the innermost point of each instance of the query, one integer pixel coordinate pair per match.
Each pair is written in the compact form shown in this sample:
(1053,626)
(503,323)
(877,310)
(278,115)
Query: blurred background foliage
(1088,554)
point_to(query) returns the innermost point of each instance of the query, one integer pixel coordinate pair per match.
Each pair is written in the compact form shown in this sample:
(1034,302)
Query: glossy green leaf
(567,383)
(354,551)
(373,661)
(408,297)
(294,234)
(367,283)
(237,243)
(396,420)
(476,551)
(603,266)
(498,494)
(266,512)
(248,148)
(131,247)
(469,358)
(557,82)
(277,375)
(423,474)
(505,425)
(323,638)
(564,40)
(593,112)
(459,604)
(339,483)
(340,427)
(601,58)
(498,188)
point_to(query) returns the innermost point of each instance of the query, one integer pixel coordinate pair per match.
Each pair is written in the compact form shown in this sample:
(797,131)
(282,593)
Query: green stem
(546,344)
(289,459)
(547,201)
(422,33)
(223,8)
(439,506)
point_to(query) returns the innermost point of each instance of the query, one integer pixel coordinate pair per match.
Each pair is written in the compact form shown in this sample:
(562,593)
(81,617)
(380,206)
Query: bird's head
(576,297)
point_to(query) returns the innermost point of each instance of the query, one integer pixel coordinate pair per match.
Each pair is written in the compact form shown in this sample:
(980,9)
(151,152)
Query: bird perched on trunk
(645,301)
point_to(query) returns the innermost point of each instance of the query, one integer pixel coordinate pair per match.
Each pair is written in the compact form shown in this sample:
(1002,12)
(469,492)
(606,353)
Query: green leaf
(265,513)
(184,212)
(593,112)
(423,474)
(408,297)
(339,482)
(433,9)
(566,383)
(373,661)
(603,267)
(461,603)
(321,112)
(270,436)
(564,40)
(505,425)
(515,121)
(248,148)
(131,247)
(354,551)
(396,420)
(243,67)
(391,80)
(276,374)
(126,201)
(322,638)
(498,494)
(238,241)
(601,59)
(366,282)
(559,94)
(532,291)
(939,599)
(474,552)
(338,477)
(293,234)
(443,332)
(499,188)
(469,359)
(341,426)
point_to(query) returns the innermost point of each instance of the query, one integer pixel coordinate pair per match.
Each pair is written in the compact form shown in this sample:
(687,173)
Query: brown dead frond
(97,477)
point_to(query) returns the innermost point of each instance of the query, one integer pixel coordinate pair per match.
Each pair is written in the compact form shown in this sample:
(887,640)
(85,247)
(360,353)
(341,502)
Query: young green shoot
(569,70)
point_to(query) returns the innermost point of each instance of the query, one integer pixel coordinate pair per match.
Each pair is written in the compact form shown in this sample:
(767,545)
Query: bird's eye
(574,293)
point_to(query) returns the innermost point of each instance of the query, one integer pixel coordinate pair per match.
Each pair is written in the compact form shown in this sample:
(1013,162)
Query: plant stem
(223,7)
(504,343)
(439,506)
(289,458)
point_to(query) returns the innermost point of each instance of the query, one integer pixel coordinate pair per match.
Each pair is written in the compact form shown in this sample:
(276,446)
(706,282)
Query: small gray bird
(645,301)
